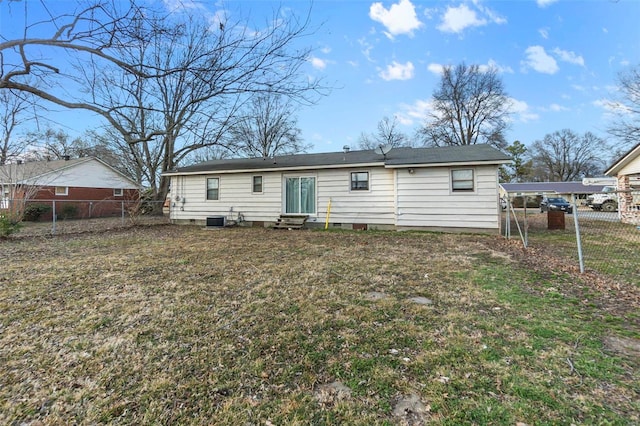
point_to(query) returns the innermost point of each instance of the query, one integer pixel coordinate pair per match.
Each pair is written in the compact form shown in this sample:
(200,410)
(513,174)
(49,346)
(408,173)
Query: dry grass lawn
(181,325)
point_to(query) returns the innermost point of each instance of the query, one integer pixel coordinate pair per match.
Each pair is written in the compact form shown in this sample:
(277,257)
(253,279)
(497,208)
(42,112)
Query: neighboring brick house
(80,187)
(627,170)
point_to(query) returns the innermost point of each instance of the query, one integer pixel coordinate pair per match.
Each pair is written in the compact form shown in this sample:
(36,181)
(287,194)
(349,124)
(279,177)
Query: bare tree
(267,127)
(15,111)
(626,127)
(565,156)
(169,85)
(470,106)
(386,134)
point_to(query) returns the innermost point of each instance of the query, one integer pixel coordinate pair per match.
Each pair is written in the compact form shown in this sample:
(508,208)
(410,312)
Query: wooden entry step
(290,222)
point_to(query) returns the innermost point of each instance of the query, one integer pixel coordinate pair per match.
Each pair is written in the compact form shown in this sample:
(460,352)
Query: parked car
(555,204)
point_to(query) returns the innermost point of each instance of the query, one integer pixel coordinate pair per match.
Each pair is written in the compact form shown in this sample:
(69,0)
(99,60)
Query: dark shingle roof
(395,158)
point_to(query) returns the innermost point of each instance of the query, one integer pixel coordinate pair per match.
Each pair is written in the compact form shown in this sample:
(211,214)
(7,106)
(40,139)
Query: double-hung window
(462,180)
(213,188)
(256,185)
(359,181)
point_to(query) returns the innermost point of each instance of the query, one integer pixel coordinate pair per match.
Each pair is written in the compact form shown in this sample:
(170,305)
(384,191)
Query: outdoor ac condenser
(215,221)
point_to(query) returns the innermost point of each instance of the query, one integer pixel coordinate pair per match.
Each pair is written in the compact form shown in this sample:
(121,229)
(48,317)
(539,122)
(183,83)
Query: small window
(462,180)
(213,188)
(256,186)
(117,192)
(360,181)
(62,190)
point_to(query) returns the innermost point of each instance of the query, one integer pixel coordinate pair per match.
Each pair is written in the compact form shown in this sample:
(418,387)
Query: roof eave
(449,164)
(273,169)
(623,161)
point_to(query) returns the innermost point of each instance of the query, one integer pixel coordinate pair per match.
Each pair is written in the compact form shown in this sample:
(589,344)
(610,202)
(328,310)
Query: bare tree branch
(387,134)
(626,127)
(564,156)
(470,106)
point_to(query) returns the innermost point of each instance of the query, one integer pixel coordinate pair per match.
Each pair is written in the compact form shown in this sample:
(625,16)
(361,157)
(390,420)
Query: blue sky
(558,59)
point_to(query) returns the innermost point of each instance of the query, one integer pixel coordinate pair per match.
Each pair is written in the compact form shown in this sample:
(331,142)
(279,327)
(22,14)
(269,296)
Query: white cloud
(521,110)
(571,57)
(456,19)
(540,61)
(493,17)
(366,49)
(183,5)
(544,33)
(397,71)
(491,64)
(436,68)
(545,3)
(399,19)
(558,108)
(416,112)
(612,107)
(318,63)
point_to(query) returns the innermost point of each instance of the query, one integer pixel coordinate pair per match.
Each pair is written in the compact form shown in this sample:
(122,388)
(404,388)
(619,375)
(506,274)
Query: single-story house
(86,187)
(446,188)
(627,171)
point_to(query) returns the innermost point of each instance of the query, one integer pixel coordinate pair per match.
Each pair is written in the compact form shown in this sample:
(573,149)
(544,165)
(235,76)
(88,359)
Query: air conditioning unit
(215,221)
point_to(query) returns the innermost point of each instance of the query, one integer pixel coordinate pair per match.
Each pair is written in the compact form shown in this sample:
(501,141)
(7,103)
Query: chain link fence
(46,217)
(600,232)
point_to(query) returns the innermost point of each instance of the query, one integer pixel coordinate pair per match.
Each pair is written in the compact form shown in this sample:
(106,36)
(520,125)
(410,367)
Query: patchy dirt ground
(182,325)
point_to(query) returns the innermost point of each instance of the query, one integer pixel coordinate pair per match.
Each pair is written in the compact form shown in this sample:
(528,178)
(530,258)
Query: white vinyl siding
(425,199)
(632,168)
(375,206)
(235,197)
(395,197)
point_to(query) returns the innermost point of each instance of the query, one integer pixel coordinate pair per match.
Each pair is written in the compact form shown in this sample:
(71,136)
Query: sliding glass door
(300,195)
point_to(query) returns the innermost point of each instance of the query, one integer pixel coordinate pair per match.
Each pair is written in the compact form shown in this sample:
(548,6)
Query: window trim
(351,181)
(61,194)
(206,188)
(118,192)
(452,181)
(253,184)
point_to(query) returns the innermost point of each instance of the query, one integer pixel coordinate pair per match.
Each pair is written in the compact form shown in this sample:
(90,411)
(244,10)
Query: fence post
(53,211)
(577,226)
(122,211)
(526,224)
(507,224)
